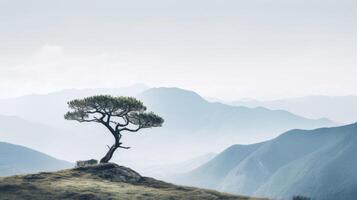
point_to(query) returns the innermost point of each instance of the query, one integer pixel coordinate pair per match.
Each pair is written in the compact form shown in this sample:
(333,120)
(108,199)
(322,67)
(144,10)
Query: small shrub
(301,198)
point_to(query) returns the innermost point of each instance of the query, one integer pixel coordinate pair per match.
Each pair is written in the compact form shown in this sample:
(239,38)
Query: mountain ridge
(298,162)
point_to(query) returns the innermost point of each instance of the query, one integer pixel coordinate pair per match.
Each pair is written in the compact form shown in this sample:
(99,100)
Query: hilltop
(103,181)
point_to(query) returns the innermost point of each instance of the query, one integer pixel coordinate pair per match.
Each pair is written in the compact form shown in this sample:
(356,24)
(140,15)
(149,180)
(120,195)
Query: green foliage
(146,120)
(104,104)
(103,108)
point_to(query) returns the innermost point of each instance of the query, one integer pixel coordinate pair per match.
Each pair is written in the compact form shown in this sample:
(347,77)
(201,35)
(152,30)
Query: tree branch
(130,130)
(127,121)
(122,113)
(124,147)
(86,120)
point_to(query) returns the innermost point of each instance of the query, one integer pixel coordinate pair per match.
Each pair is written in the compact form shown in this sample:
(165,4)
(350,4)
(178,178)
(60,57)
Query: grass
(82,184)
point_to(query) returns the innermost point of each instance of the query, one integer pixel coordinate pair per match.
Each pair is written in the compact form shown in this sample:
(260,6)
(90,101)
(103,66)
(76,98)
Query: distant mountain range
(341,109)
(187,111)
(15,159)
(188,118)
(45,138)
(50,108)
(193,126)
(318,163)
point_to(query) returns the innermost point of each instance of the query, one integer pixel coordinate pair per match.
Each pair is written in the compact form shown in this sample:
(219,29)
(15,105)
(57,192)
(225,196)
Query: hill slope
(105,181)
(318,163)
(15,159)
(210,174)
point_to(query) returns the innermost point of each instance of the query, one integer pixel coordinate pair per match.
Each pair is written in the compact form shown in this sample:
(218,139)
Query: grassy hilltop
(104,181)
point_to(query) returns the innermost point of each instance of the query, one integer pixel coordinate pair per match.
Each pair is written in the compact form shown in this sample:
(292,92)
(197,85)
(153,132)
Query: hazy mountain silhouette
(318,163)
(166,171)
(188,119)
(212,173)
(50,108)
(15,159)
(49,139)
(340,108)
(187,111)
(32,134)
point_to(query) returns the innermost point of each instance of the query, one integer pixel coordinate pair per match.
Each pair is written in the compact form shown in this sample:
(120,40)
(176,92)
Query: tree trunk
(110,153)
(111,150)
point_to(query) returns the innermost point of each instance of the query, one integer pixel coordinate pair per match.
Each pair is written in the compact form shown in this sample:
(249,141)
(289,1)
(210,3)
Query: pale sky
(229,49)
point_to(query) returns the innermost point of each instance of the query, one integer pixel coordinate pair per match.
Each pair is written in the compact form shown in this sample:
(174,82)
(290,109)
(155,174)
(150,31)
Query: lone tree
(117,114)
